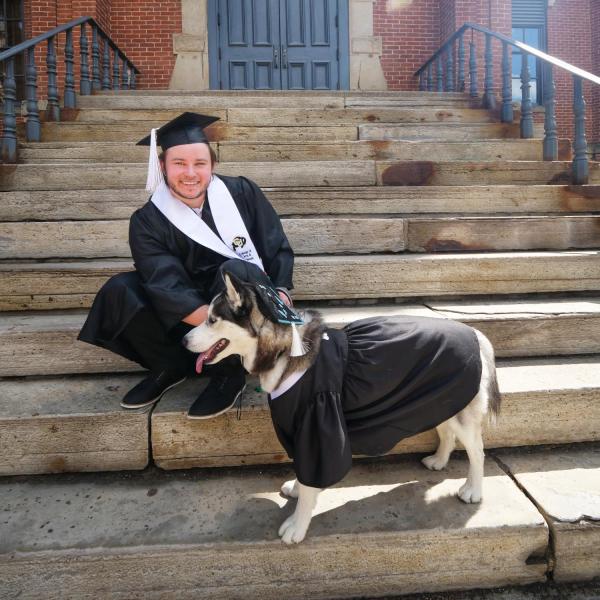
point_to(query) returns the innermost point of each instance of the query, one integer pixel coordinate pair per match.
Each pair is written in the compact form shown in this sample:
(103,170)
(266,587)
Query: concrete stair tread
(90,204)
(45,343)
(184,524)
(353,173)
(565,486)
(311,235)
(128,152)
(66,424)
(73,284)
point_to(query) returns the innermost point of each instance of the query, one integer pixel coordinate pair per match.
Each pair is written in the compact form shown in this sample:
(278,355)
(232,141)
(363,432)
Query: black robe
(176,274)
(375,382)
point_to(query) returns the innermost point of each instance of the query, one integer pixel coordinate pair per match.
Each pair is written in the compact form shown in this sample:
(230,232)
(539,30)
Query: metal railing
(110,69)
(449,79)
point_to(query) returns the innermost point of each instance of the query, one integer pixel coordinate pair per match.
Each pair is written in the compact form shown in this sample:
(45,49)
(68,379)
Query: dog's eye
(211,320)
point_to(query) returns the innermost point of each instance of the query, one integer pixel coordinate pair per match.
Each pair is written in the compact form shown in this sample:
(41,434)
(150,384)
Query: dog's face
(231,327)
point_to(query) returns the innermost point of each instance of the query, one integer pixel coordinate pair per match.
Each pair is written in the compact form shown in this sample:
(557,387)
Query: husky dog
(319,401)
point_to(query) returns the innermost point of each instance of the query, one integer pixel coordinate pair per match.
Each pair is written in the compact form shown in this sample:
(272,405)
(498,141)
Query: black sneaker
(218,396)
(151,390)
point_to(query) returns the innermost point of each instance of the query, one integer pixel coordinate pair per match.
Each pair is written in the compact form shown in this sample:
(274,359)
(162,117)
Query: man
(194,227)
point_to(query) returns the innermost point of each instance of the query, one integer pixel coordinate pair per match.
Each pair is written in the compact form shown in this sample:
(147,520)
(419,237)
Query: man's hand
(286,299)
(198,316)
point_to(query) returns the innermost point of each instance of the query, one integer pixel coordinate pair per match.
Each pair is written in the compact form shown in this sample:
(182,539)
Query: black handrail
(100,77)
(580,170)
(14,50)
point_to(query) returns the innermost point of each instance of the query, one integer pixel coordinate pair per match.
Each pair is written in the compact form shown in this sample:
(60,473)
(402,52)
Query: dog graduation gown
(176,273)
(375,382)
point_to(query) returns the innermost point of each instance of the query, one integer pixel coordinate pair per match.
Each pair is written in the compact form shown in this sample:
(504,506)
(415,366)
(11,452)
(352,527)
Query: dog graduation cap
(276,310)
(187,128)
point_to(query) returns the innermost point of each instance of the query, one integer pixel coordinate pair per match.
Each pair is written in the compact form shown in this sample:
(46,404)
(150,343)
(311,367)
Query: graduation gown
(176,274)
(375,382)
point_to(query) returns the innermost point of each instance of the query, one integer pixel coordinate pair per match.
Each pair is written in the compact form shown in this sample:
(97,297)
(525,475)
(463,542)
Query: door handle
(284,59)
(275,58)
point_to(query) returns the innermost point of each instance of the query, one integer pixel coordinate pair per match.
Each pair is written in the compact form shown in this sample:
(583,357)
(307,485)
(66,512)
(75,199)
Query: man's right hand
(198,316)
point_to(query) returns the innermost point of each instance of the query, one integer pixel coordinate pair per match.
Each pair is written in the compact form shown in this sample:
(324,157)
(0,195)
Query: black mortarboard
(274,308)
(187,128)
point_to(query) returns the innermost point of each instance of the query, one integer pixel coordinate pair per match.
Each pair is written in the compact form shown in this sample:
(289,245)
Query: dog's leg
(294,528)
(469,434)
(437,461)
(290,488)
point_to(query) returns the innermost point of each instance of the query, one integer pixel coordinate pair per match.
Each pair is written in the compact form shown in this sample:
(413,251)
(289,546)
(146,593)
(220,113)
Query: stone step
(331,235)
(59,425)
(289,117)
(565,486)
(442,131)
(132,131)
(545,401)
(157,535)
(62,285)
(56,152)
(101,204)
(46,344)
(220,101)
(30,177)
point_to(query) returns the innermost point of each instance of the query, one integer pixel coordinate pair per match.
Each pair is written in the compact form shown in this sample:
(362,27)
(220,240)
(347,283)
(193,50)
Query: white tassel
(298,348)
(155,176)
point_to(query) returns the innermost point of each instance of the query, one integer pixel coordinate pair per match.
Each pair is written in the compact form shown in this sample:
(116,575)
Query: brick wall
(570,38)
(410,31)
(144,30)
(595,103)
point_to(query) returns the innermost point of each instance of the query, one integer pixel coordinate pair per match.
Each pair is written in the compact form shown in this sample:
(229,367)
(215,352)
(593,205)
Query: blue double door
(279,44)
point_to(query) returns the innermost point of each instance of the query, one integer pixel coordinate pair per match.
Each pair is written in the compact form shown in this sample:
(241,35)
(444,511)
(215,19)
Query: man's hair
(213,154)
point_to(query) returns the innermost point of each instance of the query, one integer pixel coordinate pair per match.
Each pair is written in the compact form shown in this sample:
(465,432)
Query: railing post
(429,78)
(95,59)
(106,66)
(550,130)
(472,71)
(450,68)
(440,76)
(125,76)
(69,97)
(85,83)
(580,160)
(507,115)
(53,109)
(422,87)
(526,109)
(9,135)
(132,78)
(488,101)
(32,127)
(461,63)
(115,82)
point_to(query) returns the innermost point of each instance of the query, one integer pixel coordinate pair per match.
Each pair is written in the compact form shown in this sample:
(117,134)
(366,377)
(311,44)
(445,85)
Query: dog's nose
(184,342)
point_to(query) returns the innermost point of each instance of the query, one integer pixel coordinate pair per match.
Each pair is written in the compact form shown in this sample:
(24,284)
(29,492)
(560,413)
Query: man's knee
(119,285)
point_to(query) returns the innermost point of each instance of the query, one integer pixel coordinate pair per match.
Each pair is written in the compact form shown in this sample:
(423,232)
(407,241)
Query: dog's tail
(489,376)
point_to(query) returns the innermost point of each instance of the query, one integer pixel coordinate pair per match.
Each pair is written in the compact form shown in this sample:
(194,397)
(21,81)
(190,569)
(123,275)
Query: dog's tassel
(155,177)
(298,348)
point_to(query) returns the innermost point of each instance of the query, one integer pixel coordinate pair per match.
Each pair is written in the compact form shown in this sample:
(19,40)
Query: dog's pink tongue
(200,361)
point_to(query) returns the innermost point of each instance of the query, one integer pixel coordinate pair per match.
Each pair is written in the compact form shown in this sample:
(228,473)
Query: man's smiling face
(188,169)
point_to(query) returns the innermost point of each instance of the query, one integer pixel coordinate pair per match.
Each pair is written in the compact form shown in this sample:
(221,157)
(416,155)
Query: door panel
(249,33)
(279,44)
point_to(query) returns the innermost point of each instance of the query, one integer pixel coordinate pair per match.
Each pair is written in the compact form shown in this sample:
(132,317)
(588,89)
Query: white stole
(226,215)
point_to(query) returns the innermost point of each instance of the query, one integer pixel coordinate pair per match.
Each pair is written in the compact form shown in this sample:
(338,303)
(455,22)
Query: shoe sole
(154,400)
(224,410)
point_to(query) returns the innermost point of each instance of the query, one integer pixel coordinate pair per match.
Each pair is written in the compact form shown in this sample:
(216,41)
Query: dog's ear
(233,289)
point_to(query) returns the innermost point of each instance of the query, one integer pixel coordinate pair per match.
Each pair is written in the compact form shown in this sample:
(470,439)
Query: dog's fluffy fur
(236,316)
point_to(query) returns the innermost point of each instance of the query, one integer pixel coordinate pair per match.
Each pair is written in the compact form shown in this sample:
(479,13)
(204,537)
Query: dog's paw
(469,493)
(291,532)
(434,463)
(290,488)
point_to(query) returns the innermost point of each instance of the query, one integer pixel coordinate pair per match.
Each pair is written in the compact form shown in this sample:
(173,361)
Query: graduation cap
(276,310)
(187,128)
